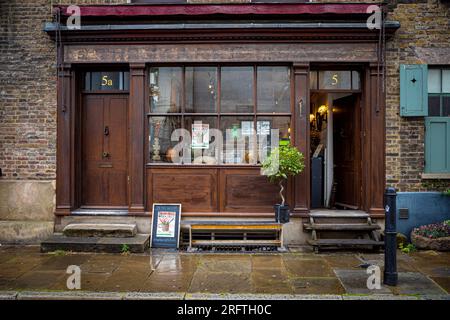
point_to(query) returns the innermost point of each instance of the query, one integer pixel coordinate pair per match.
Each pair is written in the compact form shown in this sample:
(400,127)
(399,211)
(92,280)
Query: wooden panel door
(346,140)
(104,151)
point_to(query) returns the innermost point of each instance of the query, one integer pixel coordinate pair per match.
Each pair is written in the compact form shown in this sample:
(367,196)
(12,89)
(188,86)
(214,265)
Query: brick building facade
(28,102)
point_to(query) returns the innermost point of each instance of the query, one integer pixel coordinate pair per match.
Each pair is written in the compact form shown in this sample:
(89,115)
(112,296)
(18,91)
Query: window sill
(435,175)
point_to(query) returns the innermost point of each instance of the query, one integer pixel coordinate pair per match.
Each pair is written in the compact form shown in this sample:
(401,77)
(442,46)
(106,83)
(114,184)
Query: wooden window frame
(218,115)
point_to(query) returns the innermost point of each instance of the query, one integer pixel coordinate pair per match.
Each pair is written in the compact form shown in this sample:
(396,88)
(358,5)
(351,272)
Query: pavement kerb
(90,295)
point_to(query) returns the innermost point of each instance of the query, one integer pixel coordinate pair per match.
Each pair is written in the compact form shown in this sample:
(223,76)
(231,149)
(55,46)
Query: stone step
(137,244)
(339,214)
(345,242)
(115,230)
(341,226)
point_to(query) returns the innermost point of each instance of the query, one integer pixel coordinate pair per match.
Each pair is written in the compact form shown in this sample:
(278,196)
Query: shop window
(217,106)
(165,89)
(201,89)
(237,90)
(107,80)
(274,92)
(437,124)
(160,132)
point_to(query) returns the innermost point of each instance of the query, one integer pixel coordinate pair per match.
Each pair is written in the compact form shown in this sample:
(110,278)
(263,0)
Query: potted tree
(282,163)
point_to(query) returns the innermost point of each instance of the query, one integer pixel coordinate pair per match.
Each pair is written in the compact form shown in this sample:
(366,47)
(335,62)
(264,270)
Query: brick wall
(28,82)
(27,90)
(424,31)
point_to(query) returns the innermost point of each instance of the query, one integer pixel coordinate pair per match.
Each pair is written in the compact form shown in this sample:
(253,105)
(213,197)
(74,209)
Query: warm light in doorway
(323,109)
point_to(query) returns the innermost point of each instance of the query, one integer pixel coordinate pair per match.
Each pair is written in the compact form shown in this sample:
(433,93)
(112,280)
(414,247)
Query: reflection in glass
(356,82)
(331,80)
(236,89)
(160,131)
(446,81)
(165,89)
(434,106)
(434,81)
(313,80)
(265,125)
(239,140)
(274,90)
(446,106)
(201,89)
(205,145)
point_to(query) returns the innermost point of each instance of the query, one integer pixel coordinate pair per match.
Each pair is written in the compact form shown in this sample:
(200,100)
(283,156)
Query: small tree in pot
(282,163)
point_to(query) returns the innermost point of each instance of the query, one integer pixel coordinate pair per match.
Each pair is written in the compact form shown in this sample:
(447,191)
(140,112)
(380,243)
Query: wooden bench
(243,227)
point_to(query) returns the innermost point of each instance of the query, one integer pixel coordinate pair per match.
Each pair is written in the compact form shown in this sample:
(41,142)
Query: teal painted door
(437,145)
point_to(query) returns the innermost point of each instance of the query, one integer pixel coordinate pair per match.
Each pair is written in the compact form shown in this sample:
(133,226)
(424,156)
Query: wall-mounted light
(323,109)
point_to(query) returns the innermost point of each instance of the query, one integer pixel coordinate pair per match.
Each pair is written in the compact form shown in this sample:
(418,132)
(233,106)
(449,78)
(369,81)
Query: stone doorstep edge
(90,295)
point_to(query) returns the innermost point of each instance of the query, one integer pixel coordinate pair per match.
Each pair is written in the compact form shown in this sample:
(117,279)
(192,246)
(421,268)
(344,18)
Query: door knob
(105,154)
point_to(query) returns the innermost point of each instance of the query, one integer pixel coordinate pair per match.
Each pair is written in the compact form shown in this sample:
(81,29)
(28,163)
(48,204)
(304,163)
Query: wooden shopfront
(123,88)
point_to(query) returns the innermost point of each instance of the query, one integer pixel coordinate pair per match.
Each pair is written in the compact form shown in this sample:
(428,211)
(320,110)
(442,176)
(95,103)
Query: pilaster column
(301,127)
(136,118)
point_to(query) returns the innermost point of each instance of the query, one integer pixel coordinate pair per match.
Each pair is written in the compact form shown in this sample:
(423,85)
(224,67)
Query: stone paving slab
(168,273)
(355,282)
(415,282)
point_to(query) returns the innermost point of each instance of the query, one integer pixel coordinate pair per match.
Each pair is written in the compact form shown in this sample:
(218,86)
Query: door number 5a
(106,81)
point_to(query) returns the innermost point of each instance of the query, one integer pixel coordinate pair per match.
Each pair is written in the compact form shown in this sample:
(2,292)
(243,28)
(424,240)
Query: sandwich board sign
(165,225)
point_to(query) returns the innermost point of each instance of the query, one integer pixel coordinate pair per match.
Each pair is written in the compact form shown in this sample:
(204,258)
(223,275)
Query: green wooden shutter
(413,90)
(437,145)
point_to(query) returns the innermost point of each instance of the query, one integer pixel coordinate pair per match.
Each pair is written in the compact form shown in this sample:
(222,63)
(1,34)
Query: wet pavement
(165,273)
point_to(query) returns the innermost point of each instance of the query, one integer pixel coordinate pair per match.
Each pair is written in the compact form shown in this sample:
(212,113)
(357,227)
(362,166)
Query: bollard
(390,238)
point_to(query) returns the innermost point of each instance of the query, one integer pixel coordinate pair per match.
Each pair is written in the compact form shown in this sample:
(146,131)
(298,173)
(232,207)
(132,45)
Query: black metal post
(390,238)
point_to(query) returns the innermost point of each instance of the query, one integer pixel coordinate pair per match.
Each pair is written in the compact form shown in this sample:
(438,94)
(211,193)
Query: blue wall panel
(424,208)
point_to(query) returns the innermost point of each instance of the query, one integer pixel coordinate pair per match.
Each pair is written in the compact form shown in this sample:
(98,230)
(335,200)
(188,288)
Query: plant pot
(282,213)
(439,244)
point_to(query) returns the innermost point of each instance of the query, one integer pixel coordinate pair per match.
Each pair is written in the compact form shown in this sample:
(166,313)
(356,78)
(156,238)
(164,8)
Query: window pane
(87,81)
(334,80)
(446,106)
(434,80)
(107,81)
(355,80)
(434,106)
(201,89)
(160,144)
(165,89)
(205,144)
(236,89)
(446,81)
(239,145)
(274,89)
(313,80)
(264,126)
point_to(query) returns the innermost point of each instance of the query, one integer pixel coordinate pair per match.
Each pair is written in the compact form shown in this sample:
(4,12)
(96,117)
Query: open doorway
(335,126)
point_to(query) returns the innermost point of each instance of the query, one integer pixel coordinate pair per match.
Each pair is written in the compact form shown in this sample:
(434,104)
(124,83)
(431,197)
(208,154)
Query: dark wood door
(346,146)
(104,151)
